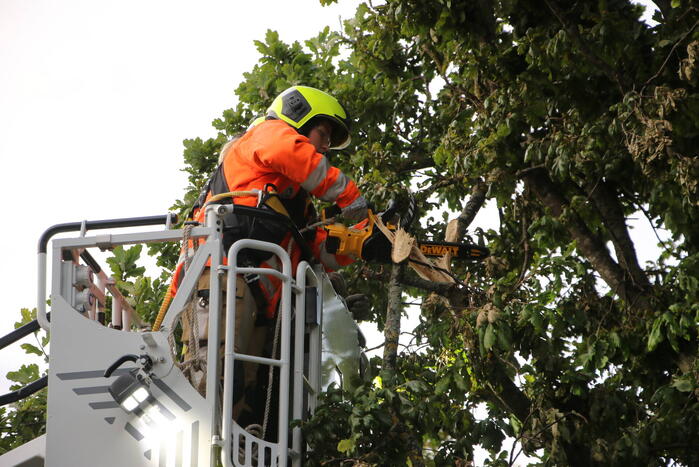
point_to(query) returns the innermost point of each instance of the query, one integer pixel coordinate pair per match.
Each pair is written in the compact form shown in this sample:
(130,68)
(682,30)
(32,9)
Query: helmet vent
(295,106)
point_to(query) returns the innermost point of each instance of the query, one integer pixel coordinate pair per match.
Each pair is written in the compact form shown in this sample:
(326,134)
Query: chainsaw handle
(390,211)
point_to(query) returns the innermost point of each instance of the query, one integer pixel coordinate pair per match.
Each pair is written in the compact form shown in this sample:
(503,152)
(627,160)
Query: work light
(130,391)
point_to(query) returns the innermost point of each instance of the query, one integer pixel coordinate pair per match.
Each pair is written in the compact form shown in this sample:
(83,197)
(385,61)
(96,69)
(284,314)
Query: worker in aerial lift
(283,157)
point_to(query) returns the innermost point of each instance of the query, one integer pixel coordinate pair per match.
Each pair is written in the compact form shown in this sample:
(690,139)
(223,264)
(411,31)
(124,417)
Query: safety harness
(237,226)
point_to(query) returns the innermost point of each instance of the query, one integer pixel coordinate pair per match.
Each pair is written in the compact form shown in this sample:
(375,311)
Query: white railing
(232,433)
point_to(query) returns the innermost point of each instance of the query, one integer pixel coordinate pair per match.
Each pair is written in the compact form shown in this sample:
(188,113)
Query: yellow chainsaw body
(351,239)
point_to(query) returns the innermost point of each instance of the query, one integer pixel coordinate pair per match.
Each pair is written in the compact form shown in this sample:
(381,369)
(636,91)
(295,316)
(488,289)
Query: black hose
(90,261)
(120,361)
(20,332)
(25,391)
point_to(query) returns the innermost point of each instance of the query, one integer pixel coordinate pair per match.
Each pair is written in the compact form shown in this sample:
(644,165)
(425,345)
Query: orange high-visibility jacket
(275,153)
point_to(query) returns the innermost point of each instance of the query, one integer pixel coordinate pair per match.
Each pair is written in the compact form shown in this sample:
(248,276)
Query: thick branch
(390,355)
(589,245)
(474,204)
(393,314)
(455,295)
(514,399)
(607,202)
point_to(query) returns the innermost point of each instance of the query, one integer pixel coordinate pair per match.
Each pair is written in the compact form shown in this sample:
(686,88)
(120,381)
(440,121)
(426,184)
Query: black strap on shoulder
(219,184)
(298,207)
(216,184)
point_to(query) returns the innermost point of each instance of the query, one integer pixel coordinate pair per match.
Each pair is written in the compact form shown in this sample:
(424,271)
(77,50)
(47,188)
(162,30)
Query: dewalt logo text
(439,250)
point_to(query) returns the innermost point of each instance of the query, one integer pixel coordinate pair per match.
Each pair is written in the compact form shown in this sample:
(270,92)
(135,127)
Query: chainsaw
(366,241)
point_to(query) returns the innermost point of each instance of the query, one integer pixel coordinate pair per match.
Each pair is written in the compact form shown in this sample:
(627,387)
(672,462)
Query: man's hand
(359,305)
(357,211)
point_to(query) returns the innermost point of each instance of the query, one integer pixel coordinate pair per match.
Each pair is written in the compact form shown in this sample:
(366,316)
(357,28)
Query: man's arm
(292,155)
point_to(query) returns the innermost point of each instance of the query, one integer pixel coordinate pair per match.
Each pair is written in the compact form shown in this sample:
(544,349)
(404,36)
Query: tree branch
(393,315)
(667,59)
(607,202)
(589,245)
(515,400)
(474,204)
(526,250)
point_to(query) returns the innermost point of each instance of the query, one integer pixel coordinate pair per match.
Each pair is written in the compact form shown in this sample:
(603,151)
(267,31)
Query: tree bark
(390,355)
(609,207)
(393,315)
(588,244)
(474,204)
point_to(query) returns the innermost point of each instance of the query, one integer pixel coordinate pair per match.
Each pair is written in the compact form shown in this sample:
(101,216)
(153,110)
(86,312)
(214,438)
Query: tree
(571,117)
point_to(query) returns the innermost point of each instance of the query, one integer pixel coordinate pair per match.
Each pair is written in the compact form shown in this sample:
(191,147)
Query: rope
(254,430)
(270,376)
(318,224)
(190,314)
(196,362)
(163,307)
(230,194)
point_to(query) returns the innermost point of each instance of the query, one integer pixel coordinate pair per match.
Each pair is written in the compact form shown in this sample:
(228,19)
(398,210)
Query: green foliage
(24,420)
(143,293)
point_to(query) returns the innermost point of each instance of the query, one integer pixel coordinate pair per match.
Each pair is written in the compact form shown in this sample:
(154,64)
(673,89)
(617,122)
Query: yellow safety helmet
(298,105)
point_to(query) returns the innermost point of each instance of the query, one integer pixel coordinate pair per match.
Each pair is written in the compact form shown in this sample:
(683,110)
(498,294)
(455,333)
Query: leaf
(442,385)
(25,375)
(346,446)
(460,381)
(416,386)
(656,336)
(516,424)
(26,317)
(503,130)
(683,384)
(32,349)
(504,337)
(489,337)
